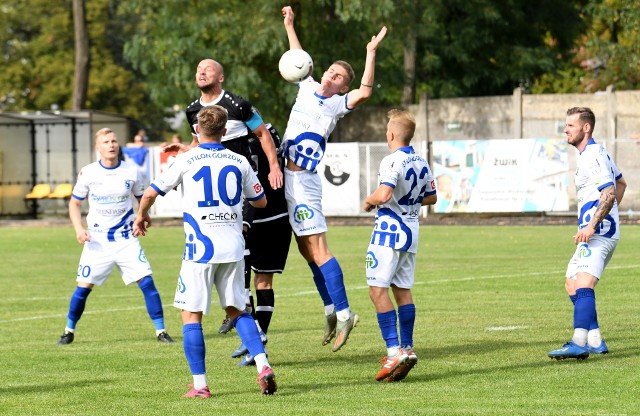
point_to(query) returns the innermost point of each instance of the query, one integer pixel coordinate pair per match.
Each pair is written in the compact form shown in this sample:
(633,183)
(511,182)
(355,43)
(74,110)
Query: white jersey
(397,221)
(595,171)
(109,191)
(213,180)
(311,121)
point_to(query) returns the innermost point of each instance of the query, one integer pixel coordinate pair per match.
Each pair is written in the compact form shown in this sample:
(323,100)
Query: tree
(37,41)
(81,81)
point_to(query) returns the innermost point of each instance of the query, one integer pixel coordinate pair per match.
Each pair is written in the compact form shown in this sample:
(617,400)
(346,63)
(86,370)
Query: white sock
(261,361)
(67,329)
(329,309)
(343,315)
(199,381)
(594,338)
(393,351)
(160,331)
(580,336)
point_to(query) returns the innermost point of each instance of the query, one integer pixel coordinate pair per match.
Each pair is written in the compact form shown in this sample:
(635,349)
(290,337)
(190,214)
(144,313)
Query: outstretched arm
(359,95)
(294,43)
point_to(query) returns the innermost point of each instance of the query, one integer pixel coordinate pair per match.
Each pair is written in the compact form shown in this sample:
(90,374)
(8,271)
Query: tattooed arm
(607,199)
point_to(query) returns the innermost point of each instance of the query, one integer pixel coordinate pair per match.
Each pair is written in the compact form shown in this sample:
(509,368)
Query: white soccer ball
(295,65)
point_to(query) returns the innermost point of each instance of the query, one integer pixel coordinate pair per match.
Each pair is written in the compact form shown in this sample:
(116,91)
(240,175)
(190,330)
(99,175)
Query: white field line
(306,292)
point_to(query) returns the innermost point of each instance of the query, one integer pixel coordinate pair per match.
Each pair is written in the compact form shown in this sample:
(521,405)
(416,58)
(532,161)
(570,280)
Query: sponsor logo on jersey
(220,217)
(258,188)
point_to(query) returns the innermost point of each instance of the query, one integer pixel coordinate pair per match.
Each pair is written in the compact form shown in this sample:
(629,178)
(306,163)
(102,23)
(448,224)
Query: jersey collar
(119,163)
(407,149)
(591,141)
(211,146)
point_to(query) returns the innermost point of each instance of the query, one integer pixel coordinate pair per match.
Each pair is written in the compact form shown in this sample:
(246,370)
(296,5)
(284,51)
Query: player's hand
(375,40)
(367,207)
(287,12)
(275,178)
(174,147)
(83,236)
(141,225)
(583,235)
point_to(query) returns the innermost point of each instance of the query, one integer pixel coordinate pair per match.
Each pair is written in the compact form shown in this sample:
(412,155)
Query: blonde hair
(347,67)
(103,132)
(404,124)
(212,121)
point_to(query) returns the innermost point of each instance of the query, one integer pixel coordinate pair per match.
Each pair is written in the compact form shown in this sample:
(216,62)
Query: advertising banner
(339,171)
(523,175)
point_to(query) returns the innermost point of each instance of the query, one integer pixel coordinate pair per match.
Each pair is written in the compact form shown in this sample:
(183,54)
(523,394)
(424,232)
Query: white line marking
(312,292)
(505,328)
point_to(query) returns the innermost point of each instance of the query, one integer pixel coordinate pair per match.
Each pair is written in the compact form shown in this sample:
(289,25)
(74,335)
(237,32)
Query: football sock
(388,328)
(76,306)
(153,302)
(335,284)
(261,361)
(199,381)
(194,348)
(595,338)
(583,313)
(321,285)
(249,335)
(264,308)
(407,318)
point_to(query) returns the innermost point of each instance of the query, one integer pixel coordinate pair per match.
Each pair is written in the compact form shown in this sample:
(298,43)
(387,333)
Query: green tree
(38,55)
(608,53)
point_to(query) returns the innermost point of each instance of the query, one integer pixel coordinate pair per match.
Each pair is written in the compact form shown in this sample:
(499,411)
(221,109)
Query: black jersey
(239,111)
(276,202)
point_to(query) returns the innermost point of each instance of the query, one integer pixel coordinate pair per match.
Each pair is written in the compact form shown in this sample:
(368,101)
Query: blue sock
(248,332)
(76,306)
(318,279)
(335,283)
(573,298)
(194,348)
(387,324)
(407,318)
(585,308)
(153,302)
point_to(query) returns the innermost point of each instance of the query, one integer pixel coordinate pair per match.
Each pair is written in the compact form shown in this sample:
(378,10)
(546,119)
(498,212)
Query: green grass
(468,279)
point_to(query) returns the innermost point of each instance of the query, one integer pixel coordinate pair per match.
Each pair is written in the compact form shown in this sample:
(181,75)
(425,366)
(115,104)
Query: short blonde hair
(347,67)
(212,121)
(103,132)
(404,124)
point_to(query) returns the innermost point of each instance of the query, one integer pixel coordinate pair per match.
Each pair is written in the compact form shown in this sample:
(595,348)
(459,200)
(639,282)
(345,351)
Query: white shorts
(591,257)
(99,256)
(303,191)
(386,266)
(196,281)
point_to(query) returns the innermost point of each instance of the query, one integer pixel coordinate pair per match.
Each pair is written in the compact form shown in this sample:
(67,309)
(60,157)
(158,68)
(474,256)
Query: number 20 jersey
(213,180)
(397,222)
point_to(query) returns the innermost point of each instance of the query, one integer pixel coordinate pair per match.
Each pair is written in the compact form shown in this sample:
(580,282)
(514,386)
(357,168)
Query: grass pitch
(490,305)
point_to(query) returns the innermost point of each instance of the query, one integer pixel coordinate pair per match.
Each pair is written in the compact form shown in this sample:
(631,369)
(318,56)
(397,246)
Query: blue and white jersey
(110,194)
(595,171)
(397,221)
(312,119)
(213,180)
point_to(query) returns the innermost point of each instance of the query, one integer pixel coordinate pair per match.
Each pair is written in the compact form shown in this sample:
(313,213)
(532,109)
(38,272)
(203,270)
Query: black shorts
(268,244)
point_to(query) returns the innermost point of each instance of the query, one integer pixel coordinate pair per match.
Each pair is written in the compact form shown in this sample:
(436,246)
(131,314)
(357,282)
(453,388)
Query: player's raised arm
(294,43)
(359,95)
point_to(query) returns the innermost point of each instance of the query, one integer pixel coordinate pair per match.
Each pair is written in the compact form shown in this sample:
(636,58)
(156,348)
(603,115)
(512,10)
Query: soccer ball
(295,65)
